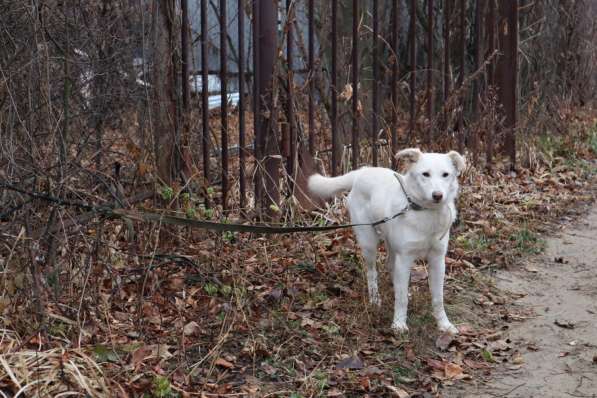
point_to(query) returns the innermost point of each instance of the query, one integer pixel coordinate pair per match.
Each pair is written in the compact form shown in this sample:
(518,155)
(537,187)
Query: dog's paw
(447,327)
(399,327)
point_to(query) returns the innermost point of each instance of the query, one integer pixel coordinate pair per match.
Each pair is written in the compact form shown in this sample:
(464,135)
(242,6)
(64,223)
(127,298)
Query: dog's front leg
(437,271)
(400,278)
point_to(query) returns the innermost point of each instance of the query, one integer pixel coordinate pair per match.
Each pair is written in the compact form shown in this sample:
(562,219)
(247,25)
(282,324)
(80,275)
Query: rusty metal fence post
(507,69)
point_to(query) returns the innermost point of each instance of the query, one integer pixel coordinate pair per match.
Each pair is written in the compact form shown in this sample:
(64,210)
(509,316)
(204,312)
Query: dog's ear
(410,155)
(458,161)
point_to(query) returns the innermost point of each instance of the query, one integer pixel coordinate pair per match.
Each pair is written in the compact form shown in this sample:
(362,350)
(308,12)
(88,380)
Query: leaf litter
(257,316)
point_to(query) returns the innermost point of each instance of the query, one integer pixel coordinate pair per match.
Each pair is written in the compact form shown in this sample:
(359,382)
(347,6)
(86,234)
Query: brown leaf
(474,364)
(435,364)
(397,391)
(334,392)
(353,362)
(224,363)
(410,354)
(443,341)
(453,371)
(191,328)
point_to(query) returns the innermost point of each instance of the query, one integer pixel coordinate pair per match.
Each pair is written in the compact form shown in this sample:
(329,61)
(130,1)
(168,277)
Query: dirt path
(560,287)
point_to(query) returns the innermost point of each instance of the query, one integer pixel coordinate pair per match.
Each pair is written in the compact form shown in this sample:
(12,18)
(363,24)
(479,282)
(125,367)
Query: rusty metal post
(241,103)
(447,12)
(224,100)
(429,70)
(334,91)
(184,41)
(204,92)
(507,71)
(257,141)
(477,84)
(413,71)
(394,84)
(355,83)
(291,161)
(375,99)
(490,25)
(461,137)
(311,61)
(268,13)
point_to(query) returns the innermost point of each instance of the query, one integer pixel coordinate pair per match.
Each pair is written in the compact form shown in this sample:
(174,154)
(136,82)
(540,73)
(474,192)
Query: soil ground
(558,339)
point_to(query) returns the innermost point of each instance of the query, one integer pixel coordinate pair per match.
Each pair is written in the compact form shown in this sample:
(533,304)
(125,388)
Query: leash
(146,216)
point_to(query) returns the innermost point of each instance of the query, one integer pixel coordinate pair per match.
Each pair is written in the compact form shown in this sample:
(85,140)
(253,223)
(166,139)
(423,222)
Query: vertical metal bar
(241,102)
(355,83)
(507,72)
(311,50)
(375,82)
(290,82)
(491,40)
(204,91)
(257,141)
(184,40)
(413,71)
(461,136)
(447,12)
(267,53)
(224,100)
(394,88)
(335,136)
(430,98)
(477,84)
(490,73)
(186,96)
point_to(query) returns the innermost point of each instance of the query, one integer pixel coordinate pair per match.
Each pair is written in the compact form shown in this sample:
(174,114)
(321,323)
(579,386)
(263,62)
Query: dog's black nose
(437,196)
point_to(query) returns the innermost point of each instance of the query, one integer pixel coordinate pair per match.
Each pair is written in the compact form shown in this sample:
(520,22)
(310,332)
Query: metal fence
(468,47)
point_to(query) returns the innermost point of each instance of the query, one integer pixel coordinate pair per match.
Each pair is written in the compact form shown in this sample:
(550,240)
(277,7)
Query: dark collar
(411,203)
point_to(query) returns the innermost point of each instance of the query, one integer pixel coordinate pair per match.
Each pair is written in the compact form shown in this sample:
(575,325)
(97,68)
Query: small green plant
(191,212)
(210,191)
(322,379)
(211,289)
(592,140)
(474,243)
(160,387)
(167,193)
(226,290)
(403,375)
(205,212)
(185,197)
(527,241)
(228,236)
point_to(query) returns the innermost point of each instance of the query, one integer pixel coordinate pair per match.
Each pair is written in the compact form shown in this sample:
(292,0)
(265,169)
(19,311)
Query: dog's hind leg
(437,270)
(368,240)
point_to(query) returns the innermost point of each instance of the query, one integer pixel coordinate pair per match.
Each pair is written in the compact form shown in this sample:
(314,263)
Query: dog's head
(432,178)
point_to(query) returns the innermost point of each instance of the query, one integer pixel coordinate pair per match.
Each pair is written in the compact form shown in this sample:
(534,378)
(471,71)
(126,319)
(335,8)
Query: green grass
(526,241)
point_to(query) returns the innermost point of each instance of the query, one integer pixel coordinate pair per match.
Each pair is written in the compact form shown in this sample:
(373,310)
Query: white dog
(419,209)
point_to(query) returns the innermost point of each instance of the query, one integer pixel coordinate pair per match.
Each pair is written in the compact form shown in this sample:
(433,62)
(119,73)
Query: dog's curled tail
(326,187)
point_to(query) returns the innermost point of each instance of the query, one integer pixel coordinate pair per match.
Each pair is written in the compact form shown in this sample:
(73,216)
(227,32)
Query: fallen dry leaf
(444,341)
(453,371)
(397,391)
(353,362)
(191,328)
(224,363)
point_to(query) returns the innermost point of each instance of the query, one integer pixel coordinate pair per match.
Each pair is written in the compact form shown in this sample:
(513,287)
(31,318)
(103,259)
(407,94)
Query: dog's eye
(425,174)
(445,175)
